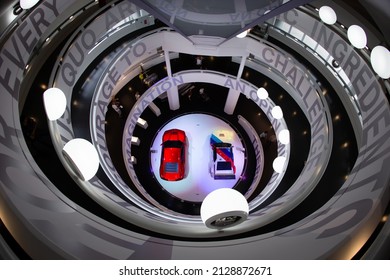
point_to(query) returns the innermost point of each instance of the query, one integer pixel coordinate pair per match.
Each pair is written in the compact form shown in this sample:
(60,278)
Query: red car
(172,166)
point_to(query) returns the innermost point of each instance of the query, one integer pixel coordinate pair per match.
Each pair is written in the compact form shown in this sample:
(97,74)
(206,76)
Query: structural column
(173,92)
(233,95)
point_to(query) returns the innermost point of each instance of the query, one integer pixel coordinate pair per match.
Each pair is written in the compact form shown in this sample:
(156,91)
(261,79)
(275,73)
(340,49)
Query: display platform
(198,180)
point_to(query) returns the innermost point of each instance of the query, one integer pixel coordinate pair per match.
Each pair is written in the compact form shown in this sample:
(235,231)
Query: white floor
(198,181)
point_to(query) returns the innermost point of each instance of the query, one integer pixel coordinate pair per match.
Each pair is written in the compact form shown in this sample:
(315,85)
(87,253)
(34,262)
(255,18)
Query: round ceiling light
(82,157)
(224,208)
(277,112)
(357,36)
(380,61)
(262,93)
(284,136)
(327,15)
(54,101)
(27,4)
(278,164)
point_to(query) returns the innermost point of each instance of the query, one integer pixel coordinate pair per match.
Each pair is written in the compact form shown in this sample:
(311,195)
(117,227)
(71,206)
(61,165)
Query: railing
(288,31)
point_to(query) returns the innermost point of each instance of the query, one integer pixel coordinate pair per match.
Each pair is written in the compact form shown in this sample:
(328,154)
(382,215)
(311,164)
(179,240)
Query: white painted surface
(198,181)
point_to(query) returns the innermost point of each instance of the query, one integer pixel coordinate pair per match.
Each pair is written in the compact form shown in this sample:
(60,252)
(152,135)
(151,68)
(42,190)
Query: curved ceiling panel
(36,210)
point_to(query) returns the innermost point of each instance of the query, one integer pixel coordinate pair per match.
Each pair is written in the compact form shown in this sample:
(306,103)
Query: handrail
(345,84)
(40,44)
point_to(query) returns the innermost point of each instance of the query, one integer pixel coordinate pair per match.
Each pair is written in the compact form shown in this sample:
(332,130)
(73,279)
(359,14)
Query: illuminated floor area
(198,182)
(127,210)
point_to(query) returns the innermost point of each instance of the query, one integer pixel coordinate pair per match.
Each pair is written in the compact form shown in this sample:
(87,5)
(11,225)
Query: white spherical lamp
(223,208)
(262,93)
(28,4)
(277,112)
(327,15)
(357,36)
(242,34)
(54,101)
(380,61)
(284,136)
(278,164)
(82,157)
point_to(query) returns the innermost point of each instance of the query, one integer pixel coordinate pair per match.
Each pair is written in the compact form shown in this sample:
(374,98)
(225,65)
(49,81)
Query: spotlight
(335,63)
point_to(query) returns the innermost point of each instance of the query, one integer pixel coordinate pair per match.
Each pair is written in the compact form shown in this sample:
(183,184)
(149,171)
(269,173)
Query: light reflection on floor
(198,181)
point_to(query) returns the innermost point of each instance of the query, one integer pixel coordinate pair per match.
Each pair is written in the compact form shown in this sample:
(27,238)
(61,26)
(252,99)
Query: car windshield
(224,165)
(173,144)
(222,145)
